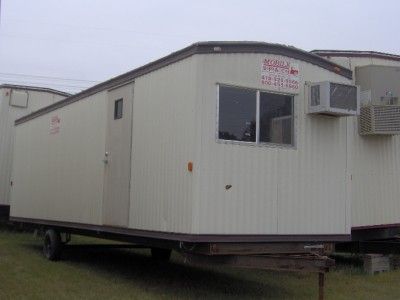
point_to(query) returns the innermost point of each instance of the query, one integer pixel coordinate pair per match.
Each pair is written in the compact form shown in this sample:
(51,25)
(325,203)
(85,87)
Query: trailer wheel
(161,255)
(52,245)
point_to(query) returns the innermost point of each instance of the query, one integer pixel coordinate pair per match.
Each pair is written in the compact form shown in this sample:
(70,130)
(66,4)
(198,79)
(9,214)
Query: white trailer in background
(216,151)
(375,189)
(17,101)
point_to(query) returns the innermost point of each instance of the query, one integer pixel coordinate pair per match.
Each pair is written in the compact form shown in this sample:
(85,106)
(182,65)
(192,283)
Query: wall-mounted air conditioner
(379,120)
(336,99)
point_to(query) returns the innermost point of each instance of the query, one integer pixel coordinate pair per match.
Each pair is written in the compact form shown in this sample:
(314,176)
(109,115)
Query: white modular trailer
(375,167)
(352,59)
(17,101)
(211,143)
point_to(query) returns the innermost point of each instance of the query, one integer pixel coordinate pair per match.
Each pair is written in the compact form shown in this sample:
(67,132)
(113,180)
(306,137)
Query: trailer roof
(33,88)
(197,48)
(357,53)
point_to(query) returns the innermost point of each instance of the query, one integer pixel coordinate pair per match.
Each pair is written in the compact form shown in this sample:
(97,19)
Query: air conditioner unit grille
(365,120)
(343,96)
(335,99)
(315,95)
(380,119)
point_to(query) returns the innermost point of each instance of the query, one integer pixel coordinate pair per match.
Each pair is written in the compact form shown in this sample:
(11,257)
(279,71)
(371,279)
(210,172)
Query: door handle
(105,159)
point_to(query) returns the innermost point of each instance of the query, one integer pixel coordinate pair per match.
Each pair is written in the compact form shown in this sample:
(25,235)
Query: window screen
(276,118)
(237,114)
(118,106)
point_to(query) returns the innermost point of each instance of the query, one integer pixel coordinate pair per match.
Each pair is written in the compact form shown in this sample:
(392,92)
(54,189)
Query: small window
(237,114)
(19,99)
(276,118)
(118,106)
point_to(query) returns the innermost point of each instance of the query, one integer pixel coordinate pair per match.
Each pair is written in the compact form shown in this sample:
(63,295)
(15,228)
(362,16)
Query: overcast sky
(84,41)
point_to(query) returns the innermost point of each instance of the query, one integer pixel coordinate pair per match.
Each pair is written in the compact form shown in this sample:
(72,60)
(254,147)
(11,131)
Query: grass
(121,274)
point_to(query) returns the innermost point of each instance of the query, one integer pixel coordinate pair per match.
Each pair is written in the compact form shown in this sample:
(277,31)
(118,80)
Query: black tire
(161,255)
(52,245)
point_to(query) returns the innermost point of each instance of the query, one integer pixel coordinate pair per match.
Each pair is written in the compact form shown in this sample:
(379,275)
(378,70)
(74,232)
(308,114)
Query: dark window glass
(276,118)
(237,114)
(118,105)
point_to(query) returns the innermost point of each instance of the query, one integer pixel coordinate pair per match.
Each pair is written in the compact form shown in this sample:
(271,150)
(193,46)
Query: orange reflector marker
(190,166)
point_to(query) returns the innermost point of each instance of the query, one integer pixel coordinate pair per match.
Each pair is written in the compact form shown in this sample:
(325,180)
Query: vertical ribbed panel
(6,137)
(375,188)
(163,142)
(60,176)
(376,177)
(376,184)
(8,114)
(275,190)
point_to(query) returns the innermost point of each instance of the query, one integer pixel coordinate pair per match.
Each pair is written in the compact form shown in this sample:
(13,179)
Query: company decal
(55,124)
(280,73)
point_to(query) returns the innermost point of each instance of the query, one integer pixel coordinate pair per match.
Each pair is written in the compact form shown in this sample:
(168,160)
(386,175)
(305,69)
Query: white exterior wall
(376,179)
(301,190)
(60,176)
(164,140)
(8,114)
(376,166)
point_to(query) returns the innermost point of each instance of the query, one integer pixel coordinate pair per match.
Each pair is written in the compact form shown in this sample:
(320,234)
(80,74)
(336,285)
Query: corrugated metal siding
(376,179)
(8,114)
(274,190)
(60,176)
(163,142)
(376,186)
(299,190)
(375,189)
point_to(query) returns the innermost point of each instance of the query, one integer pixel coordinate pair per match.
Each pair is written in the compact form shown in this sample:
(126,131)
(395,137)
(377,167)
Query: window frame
(257,143)
(120,100)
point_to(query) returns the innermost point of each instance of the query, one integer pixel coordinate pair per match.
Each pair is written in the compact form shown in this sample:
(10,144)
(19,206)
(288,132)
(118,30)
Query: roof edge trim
(356,53)
(34,88)
(197,48)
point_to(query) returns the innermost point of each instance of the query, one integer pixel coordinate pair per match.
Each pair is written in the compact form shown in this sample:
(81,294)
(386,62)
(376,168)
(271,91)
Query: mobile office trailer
(375,144)
(207,143)
(15,102)
(209,150)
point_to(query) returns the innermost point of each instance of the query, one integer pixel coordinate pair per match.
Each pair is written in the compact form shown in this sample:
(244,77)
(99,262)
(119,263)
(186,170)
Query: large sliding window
(248,115)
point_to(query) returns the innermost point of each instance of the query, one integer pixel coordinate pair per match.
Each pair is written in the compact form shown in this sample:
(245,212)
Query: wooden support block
(263,248)
(299,263)
(395,262)
(376,263)
(321,285)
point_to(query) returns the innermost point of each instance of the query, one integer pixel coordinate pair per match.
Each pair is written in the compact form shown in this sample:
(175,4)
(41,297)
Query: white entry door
(117,157)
